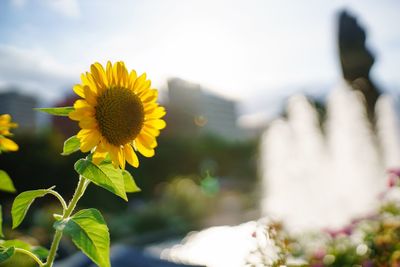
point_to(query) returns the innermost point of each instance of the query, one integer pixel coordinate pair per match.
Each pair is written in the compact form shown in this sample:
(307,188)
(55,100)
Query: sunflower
(5,126)
(118,114)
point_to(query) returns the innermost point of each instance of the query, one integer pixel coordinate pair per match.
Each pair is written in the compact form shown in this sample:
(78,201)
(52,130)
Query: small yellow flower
(5,126)
(118,114)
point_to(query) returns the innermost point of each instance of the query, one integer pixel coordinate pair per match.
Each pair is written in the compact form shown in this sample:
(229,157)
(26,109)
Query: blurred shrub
(39,164)
(183,156)
(180,207)
(370,241)
(178,184)
(184,198)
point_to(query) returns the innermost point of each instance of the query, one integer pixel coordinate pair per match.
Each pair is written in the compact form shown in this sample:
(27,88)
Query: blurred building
(193,111)
(63,125)
(20,107)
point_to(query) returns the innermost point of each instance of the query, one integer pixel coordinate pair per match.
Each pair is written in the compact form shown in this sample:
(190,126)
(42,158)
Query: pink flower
(319,254)
(394,176)
(346,230)
(394,171)
(392,181)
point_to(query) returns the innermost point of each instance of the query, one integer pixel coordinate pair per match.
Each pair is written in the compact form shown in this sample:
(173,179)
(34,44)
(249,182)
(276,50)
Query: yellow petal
(150,107)
(81,113)
(75,115)
(98,74)
(5,118)
(90,141)
(101,147)
(143,87)
(6,124)
(147,93)
(139,83)
(5,131)
(109,73)
(90,96)
(147,152)
(149,97)
(5,121)
(88,123)
(99,156)
(87,80)
(157,113)
(131,156)
(89,111)
(8,144)
(78,89)
(157,123)
(122,74)
(99,77)
(132,79)
(121,158)
(113,151)
(81,103)
(150,130)
(147,140)
(84,132)
(115,74)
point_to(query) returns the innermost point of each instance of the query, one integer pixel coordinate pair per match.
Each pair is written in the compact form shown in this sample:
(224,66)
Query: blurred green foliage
(178,183)
(38,164)
(180,207)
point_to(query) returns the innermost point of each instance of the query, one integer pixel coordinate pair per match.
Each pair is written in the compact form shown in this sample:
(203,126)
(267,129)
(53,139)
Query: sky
(256,51)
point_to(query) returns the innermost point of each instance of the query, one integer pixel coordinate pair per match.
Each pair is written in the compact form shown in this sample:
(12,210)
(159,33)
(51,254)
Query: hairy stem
(79,191)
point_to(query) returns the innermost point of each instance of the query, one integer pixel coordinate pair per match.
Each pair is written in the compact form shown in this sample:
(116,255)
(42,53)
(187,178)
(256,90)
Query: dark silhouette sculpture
(357,60)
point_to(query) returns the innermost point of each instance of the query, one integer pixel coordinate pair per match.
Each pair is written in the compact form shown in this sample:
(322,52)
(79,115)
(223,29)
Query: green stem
(30,254)
(79,191)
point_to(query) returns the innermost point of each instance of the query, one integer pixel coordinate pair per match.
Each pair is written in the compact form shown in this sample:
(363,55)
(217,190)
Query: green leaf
(105,176)
(6,253)
(1,222)
(130,185)
(89,232)
(57,217)
(40,252)
(71,145)
(6,184)
(16,243)
(116,177)
(61,111)
(22,203)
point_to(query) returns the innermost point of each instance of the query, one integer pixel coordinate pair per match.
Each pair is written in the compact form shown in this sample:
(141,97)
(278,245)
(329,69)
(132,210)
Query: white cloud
(18,3)
(68,8)
(235,48)
(33,71)
(239,49)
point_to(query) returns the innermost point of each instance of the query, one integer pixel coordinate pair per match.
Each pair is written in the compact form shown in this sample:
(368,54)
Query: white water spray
(313,179)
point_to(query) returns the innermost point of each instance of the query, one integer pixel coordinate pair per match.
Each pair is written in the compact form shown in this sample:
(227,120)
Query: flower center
(120,115)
